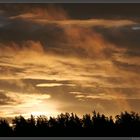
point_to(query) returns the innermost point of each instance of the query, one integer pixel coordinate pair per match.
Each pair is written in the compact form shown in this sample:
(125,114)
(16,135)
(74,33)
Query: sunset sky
(69,58)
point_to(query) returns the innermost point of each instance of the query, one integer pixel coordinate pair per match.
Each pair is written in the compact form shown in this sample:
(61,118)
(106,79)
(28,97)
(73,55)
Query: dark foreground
(70,125)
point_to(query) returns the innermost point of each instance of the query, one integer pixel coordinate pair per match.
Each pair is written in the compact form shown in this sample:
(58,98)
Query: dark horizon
(125,124)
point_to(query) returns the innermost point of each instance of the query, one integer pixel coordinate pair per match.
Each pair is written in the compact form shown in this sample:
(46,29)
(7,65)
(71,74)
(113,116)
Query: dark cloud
(4,99)
(85,11)
(123,37)
(18,31)
(5,70)
(135,68)
(57,38)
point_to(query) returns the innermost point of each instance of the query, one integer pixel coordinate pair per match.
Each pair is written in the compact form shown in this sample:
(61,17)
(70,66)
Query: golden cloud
(87,59)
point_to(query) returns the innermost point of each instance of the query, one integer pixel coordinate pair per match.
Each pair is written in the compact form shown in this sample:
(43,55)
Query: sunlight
(44,108)
(30,104)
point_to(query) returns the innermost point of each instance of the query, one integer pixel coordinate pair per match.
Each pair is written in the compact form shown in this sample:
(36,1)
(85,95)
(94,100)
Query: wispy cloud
(49,60)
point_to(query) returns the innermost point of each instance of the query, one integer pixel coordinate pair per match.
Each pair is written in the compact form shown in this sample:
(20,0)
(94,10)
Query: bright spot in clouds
(27,104)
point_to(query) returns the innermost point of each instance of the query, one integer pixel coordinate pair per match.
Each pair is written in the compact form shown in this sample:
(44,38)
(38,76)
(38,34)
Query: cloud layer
(48,57)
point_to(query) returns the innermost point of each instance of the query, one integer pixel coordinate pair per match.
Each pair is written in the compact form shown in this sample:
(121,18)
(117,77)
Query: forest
(69,124)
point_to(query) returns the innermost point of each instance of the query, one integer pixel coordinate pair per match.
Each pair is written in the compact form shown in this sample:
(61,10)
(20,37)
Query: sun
(47,108)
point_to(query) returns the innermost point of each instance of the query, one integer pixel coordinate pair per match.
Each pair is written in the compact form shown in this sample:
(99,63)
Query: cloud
(135,28)
(49,13)
(13,103)
(53,84)
(4,99)
(50,60)
(91,78)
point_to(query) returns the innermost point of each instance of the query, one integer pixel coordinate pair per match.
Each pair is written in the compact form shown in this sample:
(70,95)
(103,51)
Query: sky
(57,58)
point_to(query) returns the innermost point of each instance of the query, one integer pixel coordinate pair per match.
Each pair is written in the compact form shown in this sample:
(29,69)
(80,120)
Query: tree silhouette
(128,123)
(5,129)
(20,126)
(125,124)
(42,125)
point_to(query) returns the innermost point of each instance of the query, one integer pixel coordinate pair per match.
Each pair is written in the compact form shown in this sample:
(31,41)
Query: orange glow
(27,104)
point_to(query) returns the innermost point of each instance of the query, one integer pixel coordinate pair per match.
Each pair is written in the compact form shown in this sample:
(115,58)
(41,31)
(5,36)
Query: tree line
(69,124)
